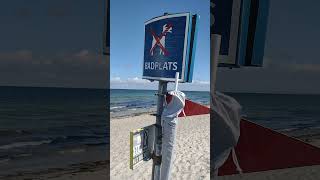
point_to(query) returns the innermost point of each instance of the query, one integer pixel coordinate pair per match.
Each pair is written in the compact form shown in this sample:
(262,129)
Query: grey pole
(162,90)
(214,60)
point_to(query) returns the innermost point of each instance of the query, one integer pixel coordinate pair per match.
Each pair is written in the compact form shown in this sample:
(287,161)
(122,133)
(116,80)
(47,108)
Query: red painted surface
(262,149)
(192,108)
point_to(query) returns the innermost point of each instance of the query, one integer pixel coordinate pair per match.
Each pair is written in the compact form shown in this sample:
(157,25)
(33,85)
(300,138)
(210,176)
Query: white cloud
(82,53)
(16,56)
(115,80)
(306,67)
(139,83)
(278,75)
(82,68)
(201,82)
(137,80)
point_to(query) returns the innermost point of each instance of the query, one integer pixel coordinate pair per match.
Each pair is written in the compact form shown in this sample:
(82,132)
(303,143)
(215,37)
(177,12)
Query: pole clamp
(156,159)
(158,94)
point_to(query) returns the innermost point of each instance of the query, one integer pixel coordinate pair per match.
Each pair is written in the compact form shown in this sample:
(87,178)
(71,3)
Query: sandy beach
(299,173)
(192,148)
(83,171)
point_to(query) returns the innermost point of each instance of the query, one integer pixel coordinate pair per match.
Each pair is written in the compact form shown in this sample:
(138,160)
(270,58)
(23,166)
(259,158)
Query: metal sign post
(242,25)
(169,53)
(214,55)
(214,61)
(162,90)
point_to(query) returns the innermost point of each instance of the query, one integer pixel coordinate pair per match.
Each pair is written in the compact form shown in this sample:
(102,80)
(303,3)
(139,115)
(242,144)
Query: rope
(235,161)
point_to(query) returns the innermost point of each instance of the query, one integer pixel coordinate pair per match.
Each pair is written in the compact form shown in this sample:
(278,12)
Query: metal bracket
(156,159)
(158,115)
(158,126)
(158,94)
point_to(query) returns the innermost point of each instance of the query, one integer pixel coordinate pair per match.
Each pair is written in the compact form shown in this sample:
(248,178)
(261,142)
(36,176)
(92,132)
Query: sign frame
(106,32)
(189,42)
(146,150)
(231,58)
(247,31)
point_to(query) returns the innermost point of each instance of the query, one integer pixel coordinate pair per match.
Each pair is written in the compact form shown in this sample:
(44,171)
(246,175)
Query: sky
(127,41)
(58,43)
(52,43)
(291,61)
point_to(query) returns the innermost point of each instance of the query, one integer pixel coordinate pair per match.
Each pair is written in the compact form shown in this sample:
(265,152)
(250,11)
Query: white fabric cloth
(169,125)
(226,115)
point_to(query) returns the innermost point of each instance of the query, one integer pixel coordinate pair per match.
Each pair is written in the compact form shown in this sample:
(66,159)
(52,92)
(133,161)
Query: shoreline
(82,171)
(187,161)
(151,112)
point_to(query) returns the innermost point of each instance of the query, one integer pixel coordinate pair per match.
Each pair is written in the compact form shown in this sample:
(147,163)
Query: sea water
(44,128)
(282,112)
(124,102)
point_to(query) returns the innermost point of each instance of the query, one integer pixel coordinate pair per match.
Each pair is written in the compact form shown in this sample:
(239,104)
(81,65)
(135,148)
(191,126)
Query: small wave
(13,132)
(76,150)
(4,160)
(77,139)
(117,107)
(97,144)
(288,129)
(22,144)
(23,155)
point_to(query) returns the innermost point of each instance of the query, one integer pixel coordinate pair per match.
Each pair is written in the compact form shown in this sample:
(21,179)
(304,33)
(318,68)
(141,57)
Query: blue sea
(125,102)
(287,113)
(44,128)
(281,112)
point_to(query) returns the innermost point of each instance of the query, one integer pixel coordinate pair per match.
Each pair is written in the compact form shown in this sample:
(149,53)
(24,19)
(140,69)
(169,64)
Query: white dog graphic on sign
(161,40)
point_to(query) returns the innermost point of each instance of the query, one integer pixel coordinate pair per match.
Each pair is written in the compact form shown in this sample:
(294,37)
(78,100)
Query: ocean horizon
(276,111)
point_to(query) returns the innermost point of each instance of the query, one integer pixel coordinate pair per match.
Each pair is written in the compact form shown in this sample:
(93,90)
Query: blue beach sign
(242,25)
(170,47)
